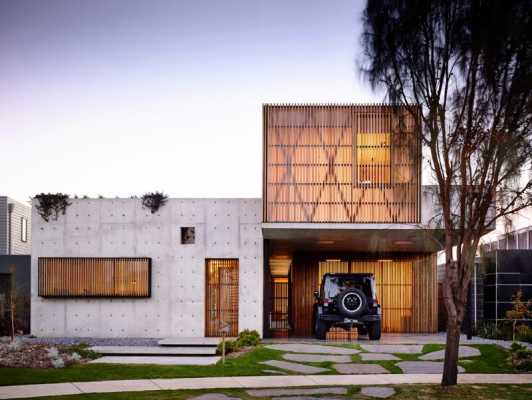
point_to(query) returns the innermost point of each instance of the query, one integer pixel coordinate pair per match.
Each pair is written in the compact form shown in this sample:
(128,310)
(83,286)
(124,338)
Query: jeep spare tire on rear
(352,303)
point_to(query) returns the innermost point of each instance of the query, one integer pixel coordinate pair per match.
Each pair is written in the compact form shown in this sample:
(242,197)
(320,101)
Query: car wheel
(352,303)
(374,330)
(320,329)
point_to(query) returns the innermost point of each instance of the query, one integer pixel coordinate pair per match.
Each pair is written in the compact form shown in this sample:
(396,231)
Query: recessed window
(188,235)
(23,229)
(373,158)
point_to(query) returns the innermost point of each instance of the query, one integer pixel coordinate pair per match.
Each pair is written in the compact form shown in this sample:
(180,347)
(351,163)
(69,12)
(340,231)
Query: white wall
(225,228)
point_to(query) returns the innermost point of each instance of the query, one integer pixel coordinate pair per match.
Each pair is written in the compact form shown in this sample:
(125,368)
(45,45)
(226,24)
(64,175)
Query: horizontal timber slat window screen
(94,277)
(341,163)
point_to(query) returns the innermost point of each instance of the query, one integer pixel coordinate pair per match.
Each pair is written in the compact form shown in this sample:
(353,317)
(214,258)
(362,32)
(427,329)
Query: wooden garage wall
(406,289)
(94,277)
(340,163)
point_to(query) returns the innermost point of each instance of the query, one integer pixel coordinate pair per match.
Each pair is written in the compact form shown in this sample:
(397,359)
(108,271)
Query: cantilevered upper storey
(341,164)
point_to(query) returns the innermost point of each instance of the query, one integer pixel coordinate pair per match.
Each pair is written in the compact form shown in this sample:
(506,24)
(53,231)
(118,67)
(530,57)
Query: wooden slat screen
(94,277)
(221,304)
(340,164)
(406,289)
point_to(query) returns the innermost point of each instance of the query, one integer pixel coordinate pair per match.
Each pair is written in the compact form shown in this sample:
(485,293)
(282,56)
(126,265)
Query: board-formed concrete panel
(224,228)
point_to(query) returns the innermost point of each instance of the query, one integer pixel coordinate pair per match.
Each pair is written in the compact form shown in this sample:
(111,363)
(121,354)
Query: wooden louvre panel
(94,277)
(406,289)
(221,315)
(341,163)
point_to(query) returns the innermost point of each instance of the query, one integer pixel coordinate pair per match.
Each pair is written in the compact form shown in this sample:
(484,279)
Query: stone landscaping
(379,392)
(463,352)
(360,369)
(423,367)
(343,359)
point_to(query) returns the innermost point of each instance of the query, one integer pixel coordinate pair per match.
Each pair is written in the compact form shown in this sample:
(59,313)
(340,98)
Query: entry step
(192,342)
(158,360)
(156,350)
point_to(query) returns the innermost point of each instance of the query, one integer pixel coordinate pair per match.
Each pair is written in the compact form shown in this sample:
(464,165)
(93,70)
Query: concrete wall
(225,228)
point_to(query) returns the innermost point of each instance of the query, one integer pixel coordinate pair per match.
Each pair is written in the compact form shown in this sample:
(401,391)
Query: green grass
(247,364)
(403,392)
(494,359)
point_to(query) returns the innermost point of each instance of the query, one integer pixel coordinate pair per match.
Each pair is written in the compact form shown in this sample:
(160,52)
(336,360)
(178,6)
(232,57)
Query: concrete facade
(12,213)
(224,228)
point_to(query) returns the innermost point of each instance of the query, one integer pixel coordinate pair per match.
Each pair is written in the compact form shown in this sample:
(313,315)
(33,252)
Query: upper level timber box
(341,163)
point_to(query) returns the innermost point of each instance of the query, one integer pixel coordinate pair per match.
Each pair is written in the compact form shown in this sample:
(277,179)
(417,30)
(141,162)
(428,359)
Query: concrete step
(191,341)
(155,350)
(158,360)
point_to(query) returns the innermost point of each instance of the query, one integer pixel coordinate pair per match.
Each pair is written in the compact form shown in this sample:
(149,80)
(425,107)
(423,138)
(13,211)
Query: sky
(118,98)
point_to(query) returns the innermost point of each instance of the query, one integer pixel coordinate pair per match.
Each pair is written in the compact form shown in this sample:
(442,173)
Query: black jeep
(347,300)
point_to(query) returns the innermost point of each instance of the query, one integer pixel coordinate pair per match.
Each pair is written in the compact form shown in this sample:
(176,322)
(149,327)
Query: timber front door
(221,314)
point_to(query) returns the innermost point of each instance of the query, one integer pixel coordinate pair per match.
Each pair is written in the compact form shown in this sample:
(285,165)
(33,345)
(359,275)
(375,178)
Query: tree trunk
(450,366)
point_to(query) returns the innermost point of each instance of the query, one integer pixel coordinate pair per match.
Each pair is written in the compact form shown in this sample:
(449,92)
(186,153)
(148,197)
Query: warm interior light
(325,241)
(333,260)
(385,261)
(403,242)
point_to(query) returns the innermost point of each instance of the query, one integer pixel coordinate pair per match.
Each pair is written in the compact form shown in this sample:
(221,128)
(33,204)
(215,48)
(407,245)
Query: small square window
(23,229)
(188,235)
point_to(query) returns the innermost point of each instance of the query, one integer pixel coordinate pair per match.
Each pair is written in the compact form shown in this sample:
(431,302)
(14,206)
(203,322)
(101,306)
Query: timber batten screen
(221,305)
(341,163)
(407,290)
(94,277)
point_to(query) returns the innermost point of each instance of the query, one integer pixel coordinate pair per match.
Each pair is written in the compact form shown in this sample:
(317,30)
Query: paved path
(249,382)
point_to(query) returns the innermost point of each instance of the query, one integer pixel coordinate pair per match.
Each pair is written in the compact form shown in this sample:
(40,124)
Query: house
(15,249)
(341,192)
(15,222)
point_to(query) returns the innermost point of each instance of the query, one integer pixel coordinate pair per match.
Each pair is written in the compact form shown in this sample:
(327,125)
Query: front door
(221,314)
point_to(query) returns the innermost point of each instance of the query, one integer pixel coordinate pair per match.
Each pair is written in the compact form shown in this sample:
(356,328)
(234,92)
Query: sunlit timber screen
(341,163)
(94,277)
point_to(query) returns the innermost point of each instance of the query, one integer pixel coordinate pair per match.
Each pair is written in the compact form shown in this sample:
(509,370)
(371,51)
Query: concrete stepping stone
(157,360)
(463,352)
(378,357)
(312,348)
(294,367)
(296,392)
(214,396)
(423,367)
(393,348)
(379,392)
(317,358)
(358,369)
(307,398)
(274,371)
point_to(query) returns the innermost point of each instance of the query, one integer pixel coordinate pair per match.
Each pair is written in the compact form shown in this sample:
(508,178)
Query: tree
(467,65)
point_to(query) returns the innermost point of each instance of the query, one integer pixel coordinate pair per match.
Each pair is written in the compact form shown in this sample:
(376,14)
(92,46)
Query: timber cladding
(94,277)
(406,289)
(341,163)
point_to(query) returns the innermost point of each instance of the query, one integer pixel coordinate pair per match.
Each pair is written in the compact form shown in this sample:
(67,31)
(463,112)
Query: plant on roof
(154,201)
(50,205)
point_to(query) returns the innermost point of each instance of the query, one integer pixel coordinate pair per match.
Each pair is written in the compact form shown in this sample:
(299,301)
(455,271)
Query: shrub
(51,204)
(154,201)
(230,346)
(521,357)
(248,338)
(82,350)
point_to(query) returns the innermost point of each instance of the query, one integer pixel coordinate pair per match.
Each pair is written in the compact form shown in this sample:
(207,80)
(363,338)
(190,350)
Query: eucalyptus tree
(467,64)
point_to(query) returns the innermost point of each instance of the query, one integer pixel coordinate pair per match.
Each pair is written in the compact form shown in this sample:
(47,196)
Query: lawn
(493,360)
(463,392)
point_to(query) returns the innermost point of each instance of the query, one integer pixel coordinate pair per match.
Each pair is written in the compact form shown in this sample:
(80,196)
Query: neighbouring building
(15,249)
(341,192)
(15,227)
